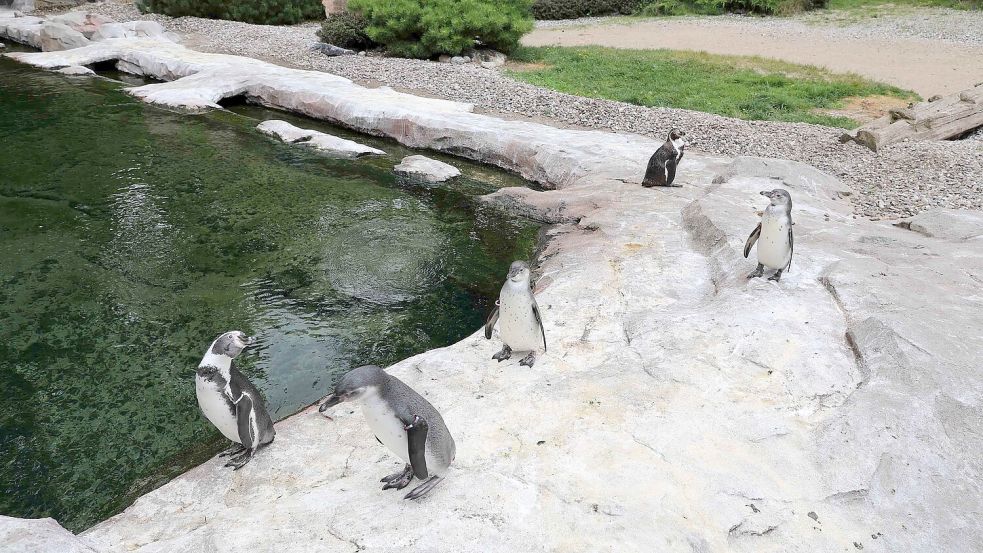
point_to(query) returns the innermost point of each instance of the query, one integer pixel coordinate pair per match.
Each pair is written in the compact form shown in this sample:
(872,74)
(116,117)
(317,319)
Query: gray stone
(331,50)
(948,224)
(40,535)
(491,57)
(458,60)
(58,36)
(22,6)
(425,169)
(327,144)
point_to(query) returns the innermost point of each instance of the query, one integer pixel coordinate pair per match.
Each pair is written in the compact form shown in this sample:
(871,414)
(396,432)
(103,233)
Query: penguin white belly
(517,323)
(385,425)
(773,246)
(215,409)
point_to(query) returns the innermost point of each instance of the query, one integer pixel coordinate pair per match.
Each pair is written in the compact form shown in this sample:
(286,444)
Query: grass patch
(735,86)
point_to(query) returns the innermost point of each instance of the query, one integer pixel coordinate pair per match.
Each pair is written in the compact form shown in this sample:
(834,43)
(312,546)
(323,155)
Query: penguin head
(675,134)
(231,344)
(778,197)
(519,272)
(354,385)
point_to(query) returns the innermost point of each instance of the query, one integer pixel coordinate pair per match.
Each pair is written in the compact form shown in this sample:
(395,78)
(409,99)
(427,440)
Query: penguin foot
(423,488)
(399,480)
(757,272)
(529,360)
(503,355)
(234,449)
(777,276)
(238,462)
(396,475)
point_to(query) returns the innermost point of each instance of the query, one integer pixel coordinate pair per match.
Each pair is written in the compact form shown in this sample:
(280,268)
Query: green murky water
(131,236)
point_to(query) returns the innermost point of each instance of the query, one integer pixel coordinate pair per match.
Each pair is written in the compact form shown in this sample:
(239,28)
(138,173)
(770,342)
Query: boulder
(948,224)
(324,143)
(38,535)
(22,6)
(58,36)
(109,30)
(425,169)
(85,23)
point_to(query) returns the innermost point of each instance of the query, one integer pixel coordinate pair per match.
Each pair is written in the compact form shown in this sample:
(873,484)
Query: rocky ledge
(680,407)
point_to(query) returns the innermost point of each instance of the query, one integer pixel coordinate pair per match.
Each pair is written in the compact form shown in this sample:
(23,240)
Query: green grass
(735,86)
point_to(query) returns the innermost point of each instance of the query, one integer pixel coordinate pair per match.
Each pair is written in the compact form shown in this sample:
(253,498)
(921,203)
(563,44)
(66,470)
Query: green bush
(714,7)
(428,28)
(265,12)
(572,9)
(347,30)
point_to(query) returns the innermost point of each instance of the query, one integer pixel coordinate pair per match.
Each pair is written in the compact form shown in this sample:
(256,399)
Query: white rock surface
(327,144)
(76,70)
(425,169)
(680,407)
(58,36)
(42,535)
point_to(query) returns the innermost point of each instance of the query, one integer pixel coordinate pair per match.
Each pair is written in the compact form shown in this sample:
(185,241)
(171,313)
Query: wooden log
(943,118)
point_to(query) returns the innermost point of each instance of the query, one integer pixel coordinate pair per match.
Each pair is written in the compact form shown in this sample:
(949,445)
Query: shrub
(572,9)
(428,28)
(347,30)
(265,12)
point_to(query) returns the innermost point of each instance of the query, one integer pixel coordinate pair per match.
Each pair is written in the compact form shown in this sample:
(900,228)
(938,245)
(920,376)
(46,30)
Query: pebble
(943,173)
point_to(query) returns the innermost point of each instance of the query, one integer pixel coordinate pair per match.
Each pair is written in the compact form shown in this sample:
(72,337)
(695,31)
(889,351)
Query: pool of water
(131,236)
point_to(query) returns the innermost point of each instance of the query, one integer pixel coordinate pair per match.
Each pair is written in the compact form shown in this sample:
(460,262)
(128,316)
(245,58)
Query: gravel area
(900,181)
(956,26)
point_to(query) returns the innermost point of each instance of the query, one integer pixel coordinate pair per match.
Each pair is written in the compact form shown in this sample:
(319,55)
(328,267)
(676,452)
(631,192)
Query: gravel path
(940,24)
(900,181)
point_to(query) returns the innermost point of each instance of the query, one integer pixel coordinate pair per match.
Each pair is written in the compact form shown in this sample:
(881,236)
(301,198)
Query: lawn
(735,86)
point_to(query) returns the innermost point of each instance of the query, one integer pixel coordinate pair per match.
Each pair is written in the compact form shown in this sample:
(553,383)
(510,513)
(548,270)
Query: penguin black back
(662,165)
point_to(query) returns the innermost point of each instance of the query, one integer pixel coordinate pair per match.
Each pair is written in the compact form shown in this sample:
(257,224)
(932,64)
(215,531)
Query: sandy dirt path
(926,66)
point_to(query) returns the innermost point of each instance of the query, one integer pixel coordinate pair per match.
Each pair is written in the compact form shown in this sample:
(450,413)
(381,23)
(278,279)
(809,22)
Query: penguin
(662,165)
(521,326)
(773,235)
(230,402)
(403,421)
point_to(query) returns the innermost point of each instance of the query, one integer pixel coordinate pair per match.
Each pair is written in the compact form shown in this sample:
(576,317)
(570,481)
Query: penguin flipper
(539,321)
(416,440)
(791,245)
(754,238)
(490,323)
(246,422)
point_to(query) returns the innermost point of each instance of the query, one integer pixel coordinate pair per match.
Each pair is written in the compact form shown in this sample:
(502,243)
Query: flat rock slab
(327,144)
(425,169)
(41,535)
(948,224)
(680,404)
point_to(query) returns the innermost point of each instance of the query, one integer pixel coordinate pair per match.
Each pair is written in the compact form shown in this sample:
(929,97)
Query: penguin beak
(332,400)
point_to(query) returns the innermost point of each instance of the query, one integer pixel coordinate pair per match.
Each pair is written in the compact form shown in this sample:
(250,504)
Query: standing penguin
(230,402)
(773,235)
(662,165)
(521,326)
(403,421)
